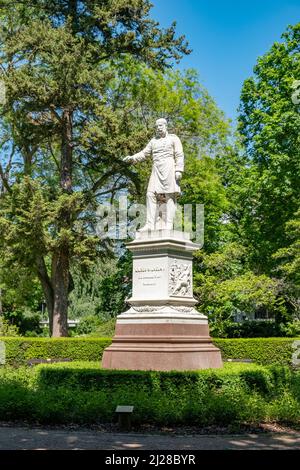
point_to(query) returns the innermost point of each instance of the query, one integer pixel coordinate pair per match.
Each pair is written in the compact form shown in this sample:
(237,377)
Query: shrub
(255,329)
(227,288)
(87,325)
(89,376)
(291,329)
(219,396)
(6,329)
(25,320)
(84,393)
(260,350)
(106,328)
(20,350)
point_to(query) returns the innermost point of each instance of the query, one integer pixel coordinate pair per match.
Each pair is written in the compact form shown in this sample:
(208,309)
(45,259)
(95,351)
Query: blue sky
(226,37)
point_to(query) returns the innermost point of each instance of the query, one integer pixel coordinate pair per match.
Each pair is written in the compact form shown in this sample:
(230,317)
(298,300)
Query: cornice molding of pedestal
(164,302)
(162,240)
(163,314)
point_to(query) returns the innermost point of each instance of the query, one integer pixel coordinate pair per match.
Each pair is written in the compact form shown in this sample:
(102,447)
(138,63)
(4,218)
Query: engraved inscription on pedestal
(149,278)
(180,279)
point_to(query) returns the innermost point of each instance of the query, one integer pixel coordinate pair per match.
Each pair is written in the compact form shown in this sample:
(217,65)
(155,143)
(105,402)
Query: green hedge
(83,393)
(89,376)
(19,351)
(260,350)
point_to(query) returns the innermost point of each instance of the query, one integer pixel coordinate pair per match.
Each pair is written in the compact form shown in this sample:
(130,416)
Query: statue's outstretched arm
(140,156)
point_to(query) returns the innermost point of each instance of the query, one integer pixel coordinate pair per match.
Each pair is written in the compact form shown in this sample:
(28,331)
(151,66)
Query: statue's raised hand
(127,159)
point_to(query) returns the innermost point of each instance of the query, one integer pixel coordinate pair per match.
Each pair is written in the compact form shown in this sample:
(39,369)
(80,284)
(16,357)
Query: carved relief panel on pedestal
(180,279)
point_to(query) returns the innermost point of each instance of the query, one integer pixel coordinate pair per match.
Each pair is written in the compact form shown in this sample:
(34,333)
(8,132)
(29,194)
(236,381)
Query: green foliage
(291,329)
(87,324)
(19,287)
(226,287)
(38,202)
(112,85)
(86,298)
(270,124)
(202,184)
(34,214)
(289,257)
(26,321)
(106,329)
(260,350)
(254,329)
(88,376)
(63,132)
(288,267)
(6,329)
(19,351)
(102,292)
(253,272)
(83,393)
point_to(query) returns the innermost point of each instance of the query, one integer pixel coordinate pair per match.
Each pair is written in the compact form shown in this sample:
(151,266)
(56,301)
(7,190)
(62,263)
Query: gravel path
(18,437)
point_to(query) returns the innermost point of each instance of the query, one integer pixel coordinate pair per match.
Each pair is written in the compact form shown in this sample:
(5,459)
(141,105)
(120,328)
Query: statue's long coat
(167,155)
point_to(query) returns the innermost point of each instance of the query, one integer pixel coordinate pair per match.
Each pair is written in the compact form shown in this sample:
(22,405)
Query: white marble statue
(164,184)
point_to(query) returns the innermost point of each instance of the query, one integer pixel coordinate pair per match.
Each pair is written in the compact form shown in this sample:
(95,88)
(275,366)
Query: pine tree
(62,135)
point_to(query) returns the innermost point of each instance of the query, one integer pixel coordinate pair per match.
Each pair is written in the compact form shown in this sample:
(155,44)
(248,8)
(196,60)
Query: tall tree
(288,267)
(269,122)
(64,138)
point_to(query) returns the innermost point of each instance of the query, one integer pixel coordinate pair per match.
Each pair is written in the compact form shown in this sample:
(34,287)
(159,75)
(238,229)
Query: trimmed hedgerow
(84,393)
(88,376)
(260,350)
(21,350)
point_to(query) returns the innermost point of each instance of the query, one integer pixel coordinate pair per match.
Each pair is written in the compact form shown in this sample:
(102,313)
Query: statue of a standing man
(168,164)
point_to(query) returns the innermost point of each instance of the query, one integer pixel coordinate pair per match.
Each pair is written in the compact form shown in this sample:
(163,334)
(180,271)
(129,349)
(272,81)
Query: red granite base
(161,346)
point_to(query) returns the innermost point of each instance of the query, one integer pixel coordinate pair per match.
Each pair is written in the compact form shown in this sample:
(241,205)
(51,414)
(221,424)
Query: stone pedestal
(162,330)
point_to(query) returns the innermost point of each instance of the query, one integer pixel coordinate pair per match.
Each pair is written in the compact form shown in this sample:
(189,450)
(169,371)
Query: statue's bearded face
(161,128)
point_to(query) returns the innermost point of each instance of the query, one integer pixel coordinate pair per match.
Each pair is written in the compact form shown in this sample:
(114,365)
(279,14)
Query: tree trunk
(47,288)
(61,259)
(66,157)
(60,281)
